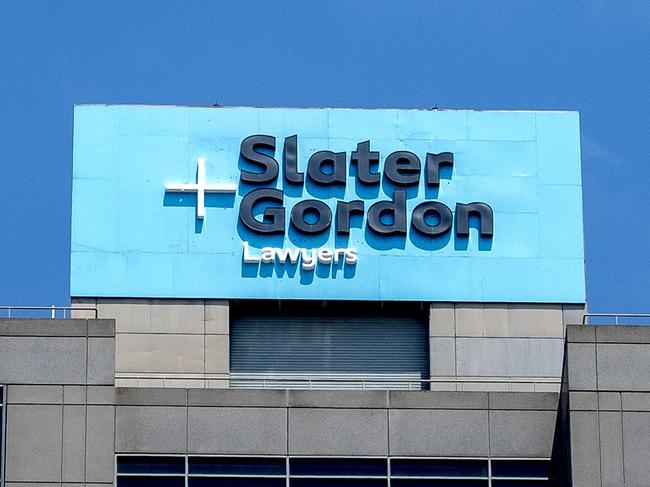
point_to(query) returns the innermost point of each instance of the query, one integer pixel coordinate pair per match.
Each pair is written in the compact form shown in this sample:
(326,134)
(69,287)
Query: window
(225,471)
(2,434)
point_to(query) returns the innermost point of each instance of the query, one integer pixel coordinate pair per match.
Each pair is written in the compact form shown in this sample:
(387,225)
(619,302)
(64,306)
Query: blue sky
(591,56)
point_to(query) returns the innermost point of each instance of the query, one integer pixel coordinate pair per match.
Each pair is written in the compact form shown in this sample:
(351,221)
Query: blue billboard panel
(180,202)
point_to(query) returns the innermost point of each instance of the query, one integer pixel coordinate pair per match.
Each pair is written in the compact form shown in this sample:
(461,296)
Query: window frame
(3,431)
(388,459)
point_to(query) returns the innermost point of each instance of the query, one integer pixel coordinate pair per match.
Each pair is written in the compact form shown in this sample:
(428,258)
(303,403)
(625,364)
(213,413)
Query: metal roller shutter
(340,345)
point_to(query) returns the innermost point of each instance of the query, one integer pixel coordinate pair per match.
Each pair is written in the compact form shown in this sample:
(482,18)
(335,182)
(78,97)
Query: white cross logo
(200,188)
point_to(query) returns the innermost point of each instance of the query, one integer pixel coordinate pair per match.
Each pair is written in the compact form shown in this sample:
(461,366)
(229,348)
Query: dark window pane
(235,482)
(523,483)
(338,482)
(237,466)
(521,468)
(437,483)
(150,481)
(363,467)
(403,467)
(150,465)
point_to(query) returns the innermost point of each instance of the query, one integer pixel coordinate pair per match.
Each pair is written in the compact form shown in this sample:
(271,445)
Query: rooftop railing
(310,381)
(43,311)
(616,319)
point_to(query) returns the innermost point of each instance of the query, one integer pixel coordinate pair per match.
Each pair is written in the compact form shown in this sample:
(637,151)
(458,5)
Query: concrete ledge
(40,484)
(101,328)
(58,327)
(635,401)
(43,327)
(145,396)
(74,395)
(622,334)
(339,399)
(609,401)
(580,334)
(236,398)
(583,401)
(53,360)
(34,394)
(438,400)
(539,401)
(101,395)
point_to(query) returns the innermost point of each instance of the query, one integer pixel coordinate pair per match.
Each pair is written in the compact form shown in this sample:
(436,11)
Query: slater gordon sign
(286,203)
(325,168)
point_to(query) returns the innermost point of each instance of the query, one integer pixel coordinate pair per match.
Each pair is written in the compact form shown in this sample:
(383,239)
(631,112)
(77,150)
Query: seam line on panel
(187,424)
(620,409)
(85,463)
(600,456)
(456,385)
(63,428)
(205,357)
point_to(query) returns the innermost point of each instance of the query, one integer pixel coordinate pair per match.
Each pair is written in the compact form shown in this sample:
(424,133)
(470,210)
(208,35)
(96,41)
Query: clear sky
(592,56)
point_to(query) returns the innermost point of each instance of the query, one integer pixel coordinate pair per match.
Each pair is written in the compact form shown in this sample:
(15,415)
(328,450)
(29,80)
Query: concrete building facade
(67,423)
(317,297)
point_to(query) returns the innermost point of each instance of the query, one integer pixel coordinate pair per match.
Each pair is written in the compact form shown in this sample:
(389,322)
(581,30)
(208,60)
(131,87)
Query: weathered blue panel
(131,238)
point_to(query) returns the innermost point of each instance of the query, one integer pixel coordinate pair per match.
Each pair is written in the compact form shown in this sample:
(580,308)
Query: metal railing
(616,317)
(63,311)
(328,381)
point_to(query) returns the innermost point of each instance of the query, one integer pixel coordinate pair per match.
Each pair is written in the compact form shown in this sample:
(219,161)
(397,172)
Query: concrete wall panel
(159,353)
(514,357)
(253,431)
(157,429)
(43,360)
(100,444)
(34,443)
(438,433)
(74,394)
(522,433)
(185,316)
(572,314)
(611,448)
(636,445)
(34,484)
(217,317)
(74,443)
(496,321)
(530,320)
(338,399)
(442,357)
(441,320)
(469,319)
(101,361)
(585,449)
(581,358)
(338,432)
(130,315)
(217,354)
(623,367)
(28,394)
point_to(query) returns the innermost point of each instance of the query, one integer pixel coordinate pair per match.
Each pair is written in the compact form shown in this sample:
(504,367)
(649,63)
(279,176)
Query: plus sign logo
(200,188)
